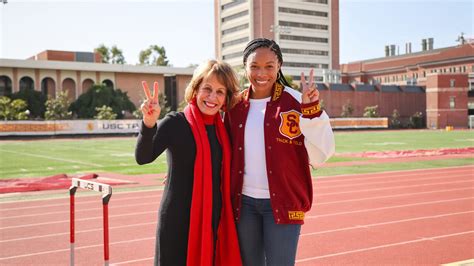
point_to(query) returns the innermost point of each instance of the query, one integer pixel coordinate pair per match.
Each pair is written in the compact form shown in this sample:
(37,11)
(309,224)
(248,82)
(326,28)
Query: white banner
(81,127)
(68,127)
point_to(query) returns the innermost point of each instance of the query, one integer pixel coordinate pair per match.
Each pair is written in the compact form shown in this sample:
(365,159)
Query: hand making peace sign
(309,92)
(150,107)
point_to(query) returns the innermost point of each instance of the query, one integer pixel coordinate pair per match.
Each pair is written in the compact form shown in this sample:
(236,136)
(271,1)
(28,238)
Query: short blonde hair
(224,74)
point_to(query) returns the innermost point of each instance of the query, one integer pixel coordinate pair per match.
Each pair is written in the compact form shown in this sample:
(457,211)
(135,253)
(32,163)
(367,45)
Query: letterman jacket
(296,136)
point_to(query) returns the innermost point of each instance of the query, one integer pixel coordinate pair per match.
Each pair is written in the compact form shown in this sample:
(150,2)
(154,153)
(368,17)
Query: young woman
(276,133)
(195,224)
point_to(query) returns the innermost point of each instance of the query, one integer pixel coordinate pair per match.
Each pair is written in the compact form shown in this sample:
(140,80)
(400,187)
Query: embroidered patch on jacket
(289,126)
(311,110)
(296,215)
(277,91)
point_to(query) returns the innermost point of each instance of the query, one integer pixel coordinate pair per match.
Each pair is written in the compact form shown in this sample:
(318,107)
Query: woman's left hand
(309,92)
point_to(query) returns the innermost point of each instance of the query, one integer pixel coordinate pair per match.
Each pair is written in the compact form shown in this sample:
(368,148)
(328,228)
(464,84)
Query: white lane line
(387,208)
(143,204)
(386,223)
(382,246)
(341,178)
(77,232)
(52,158)
(319,203)
(132,261)
(81,203)
(77,248)
(390,182)
(78,211)
(77,220)
(308,217)
(395,187)
(388,175)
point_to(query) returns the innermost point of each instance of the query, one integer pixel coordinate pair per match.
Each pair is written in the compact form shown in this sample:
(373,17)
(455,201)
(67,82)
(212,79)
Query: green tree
(416,120)
(57,108)
(347,110)
(371,111)
(105,113)
(104,53)
(12,110)
(153,56)
(35,101)
(165,108)
(111,55)
(117,56)
(395,119)
(182,105)
(99,95)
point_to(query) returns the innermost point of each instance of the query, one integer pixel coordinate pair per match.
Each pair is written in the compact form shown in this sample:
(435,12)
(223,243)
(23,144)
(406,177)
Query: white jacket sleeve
(319,138)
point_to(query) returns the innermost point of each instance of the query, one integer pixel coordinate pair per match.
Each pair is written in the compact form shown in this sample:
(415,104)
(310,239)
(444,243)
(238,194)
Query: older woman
(195,225)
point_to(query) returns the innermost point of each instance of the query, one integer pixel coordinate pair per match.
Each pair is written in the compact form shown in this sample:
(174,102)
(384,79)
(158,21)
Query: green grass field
(38,158)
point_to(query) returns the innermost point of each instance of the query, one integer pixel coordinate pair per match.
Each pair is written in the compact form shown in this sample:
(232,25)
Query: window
(305,52)
(303,25)
(232,55)
(234,16)
(302,12)
(303,38)
(233,3)
(452,83)
(234,42)
(306,65)
(317,1)
(234,29)
(452,102)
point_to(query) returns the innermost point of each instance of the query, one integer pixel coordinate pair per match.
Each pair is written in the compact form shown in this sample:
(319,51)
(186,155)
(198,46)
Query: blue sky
(186,27)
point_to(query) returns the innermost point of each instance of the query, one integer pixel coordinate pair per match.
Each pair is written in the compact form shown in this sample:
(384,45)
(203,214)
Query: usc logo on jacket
(289,126)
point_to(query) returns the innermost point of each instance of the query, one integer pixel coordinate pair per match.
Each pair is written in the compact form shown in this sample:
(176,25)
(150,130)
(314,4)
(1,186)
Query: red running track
(421,217)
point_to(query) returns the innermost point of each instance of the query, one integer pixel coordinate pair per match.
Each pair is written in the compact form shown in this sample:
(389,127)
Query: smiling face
(262,71)
(211,95)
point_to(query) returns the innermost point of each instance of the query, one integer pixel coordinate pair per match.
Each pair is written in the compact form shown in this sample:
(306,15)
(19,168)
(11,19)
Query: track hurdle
(106,191)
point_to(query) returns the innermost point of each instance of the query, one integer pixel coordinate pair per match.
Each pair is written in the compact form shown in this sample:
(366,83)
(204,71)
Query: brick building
(437,82)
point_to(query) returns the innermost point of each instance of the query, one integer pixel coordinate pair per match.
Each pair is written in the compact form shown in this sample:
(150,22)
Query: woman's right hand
(150,108)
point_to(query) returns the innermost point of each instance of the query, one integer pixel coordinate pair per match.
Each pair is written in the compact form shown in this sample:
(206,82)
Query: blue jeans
(262,241)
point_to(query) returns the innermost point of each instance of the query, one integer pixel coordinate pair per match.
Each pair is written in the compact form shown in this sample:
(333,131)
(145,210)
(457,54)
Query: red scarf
(201,242)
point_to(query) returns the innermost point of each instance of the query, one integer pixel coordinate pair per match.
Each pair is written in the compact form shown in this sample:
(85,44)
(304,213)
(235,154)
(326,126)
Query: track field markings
(384,174)
(384,143)
(77,232)
(77,248)
(387,174)
(387,223)
(383,246)
(318,201)
(392,181)
(396,187)
(388,208)
(78,220)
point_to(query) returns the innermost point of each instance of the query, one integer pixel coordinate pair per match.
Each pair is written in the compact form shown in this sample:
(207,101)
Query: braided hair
(273,46)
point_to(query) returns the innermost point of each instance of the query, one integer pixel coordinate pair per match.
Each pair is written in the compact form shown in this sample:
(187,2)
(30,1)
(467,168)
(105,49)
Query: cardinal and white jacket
(296,136)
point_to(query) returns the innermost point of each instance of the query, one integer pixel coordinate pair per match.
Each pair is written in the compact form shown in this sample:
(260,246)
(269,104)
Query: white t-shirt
(255,172)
